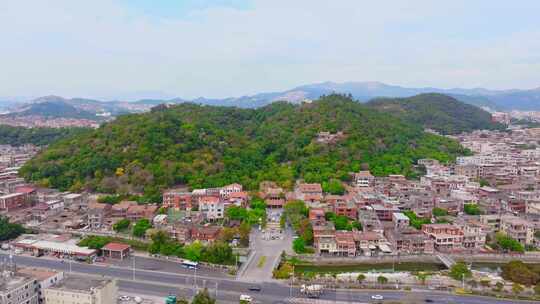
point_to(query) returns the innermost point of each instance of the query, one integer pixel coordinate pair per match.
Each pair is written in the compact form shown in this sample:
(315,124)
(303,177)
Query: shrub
(471,209)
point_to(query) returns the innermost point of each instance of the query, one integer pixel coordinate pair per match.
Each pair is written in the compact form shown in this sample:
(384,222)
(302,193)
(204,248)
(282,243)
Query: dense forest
(439,112)
(17,136)
(205,146)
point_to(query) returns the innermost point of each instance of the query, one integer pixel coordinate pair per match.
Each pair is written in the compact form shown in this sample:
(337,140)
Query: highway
(228,290)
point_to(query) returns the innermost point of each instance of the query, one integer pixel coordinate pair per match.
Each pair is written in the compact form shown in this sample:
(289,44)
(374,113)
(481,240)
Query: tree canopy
(439,112)
(519,272)
(9,230)
(206,146)
(17,136)
(460,271)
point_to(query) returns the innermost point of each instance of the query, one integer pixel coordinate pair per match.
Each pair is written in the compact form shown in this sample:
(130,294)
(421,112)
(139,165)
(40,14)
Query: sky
(115,49)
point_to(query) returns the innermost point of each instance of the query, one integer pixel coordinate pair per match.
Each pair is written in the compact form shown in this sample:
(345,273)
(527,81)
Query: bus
(189,264)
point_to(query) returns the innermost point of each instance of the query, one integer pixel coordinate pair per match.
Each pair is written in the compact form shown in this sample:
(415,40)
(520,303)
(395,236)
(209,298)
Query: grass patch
(262,261)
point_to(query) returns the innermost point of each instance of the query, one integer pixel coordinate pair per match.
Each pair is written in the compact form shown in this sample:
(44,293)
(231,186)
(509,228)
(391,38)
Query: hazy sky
(190,48)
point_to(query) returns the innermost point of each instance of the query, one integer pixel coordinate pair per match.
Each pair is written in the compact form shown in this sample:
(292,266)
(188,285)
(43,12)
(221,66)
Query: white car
(377,297)
(124,298)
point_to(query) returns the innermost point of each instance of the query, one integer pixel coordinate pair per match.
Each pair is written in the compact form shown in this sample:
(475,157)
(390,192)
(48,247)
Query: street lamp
(292,282)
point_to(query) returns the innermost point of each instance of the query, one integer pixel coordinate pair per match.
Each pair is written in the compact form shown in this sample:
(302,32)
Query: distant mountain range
(363,91)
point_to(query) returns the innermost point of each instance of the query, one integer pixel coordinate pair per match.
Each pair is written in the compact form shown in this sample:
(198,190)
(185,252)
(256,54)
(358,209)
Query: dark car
(429,301)
(255,288)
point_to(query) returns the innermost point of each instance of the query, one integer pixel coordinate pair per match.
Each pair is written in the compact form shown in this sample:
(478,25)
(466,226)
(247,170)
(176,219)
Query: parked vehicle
(377,297)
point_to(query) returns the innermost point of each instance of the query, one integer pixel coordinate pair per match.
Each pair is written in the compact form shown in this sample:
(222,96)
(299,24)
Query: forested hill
(17,136)
(438,112)
(205,146)
(54,109)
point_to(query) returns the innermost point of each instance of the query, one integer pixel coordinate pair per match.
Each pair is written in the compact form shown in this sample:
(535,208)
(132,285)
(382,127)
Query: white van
(246,298)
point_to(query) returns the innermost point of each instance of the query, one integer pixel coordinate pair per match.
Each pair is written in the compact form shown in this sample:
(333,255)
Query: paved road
(270,250)
(148,263)
(228,290)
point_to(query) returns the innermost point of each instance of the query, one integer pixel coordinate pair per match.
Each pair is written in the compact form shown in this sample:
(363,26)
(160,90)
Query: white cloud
(98,47)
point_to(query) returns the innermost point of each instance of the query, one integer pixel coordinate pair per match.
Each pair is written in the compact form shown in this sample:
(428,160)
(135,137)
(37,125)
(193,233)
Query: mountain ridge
(528,99)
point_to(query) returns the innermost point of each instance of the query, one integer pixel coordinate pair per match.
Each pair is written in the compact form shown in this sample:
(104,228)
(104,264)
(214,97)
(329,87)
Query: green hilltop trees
(17,136)
(439,112)
(206,146)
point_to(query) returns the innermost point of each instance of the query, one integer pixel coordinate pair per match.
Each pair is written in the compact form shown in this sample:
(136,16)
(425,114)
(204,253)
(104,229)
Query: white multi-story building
(213,208)
(226,191)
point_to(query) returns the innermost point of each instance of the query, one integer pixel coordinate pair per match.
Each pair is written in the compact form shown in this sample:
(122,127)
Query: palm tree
(360,278)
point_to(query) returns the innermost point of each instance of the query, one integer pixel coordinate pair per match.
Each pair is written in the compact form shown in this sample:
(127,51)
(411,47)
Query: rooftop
(116,247)
(77,283)
(10,282)
(40,274)
(401,216)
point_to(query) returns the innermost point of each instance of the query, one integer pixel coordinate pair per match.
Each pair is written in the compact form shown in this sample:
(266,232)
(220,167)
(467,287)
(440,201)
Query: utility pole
(70,265)
(195,280)
(217,283)
(133,267)
(463,281)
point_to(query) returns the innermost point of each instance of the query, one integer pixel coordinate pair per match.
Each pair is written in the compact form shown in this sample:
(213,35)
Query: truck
(170,299)
(245,299)
(312,291)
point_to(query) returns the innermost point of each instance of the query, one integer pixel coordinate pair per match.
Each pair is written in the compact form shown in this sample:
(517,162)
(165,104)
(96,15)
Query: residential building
(363,179)
(212,207)
(120,210)
(205,234)
(12,201)
(400,220)
(446,237)
(369,242)
(324,238)
(97,212)
(317,216)
(137,212)
(345,243)
(17,288)
(178,199)
(517,228)
(309,193)
(79,289)
(44,277)
(409,241)
(226,191)
(346,208)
